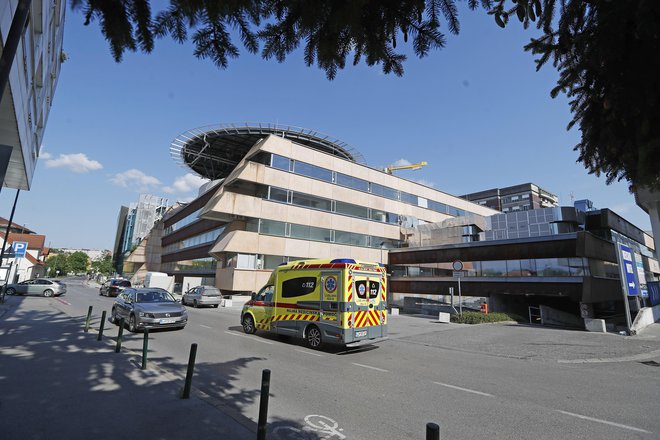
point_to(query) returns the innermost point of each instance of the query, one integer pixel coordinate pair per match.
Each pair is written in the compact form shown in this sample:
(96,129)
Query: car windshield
(154,296)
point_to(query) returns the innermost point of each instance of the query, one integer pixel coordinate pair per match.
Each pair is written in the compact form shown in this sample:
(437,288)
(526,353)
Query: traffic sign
(457,265)
(629,270)
(19,248)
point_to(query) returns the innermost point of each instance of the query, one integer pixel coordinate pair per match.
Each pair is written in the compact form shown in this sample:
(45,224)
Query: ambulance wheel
(248,325)
(314,339)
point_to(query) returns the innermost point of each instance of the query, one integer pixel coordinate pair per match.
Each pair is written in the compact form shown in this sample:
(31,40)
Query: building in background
(135,222)
(522,197)
(561,263)
(28,97)
(30,263)
(279,193)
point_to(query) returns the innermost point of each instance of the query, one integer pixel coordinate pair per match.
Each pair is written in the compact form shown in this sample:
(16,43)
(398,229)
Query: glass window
(513,268)
(528,268)
(298,287)
(455,211)
(351,209)
(320,234)
(246,261)
(409,198)
(352,182)
(437,206)
(576,267)
(278,195)
(495,268)
(309,201)
(365,289)
(313,171)
(280,162)
(378,215)
(299,231)
(271,227)
(392,218)
(553,267)
(272,261)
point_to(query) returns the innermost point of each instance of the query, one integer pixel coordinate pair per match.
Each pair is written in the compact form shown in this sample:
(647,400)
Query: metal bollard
(263,405)
(145,347)
(432,431)
(89,317)
(189,373)
(119,335)
(101,327)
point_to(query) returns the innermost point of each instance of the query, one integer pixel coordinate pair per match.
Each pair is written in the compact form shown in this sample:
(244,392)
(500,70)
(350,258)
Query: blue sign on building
(629,270)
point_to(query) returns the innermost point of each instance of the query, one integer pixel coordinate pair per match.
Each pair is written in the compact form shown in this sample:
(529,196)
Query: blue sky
(477,111)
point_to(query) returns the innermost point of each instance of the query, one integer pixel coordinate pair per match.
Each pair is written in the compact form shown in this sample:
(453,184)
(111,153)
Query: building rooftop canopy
(214,151)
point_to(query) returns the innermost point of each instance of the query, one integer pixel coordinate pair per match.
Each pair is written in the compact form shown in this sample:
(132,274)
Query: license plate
(167,321)
(361,334)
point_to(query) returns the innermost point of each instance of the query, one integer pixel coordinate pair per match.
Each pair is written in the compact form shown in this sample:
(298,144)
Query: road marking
(618,425)
(467,390)
(249,337)
(205,326)
(309,353)
(63,302)
(373,368)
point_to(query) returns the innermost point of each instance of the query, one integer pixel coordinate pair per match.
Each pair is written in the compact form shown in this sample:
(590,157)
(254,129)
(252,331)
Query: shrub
(480,318)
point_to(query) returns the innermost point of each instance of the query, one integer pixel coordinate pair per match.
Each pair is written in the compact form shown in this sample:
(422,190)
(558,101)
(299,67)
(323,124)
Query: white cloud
(135,179)
(185,184)
(78,162)
(44,155)
(401,163)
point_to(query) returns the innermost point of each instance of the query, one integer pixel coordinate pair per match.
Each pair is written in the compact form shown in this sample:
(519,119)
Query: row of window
(312,233)
(328,205)
(254,261)
(540,267)
(195,240)
(316,172)
(183,222)
(207,264)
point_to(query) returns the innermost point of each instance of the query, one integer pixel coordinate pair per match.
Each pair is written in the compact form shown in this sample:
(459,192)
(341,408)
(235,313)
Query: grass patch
(481,318)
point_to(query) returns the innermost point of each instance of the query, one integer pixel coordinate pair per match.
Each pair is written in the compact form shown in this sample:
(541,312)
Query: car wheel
(248,324)
(216,305)
(314,339)
(48,293)
(100,292)
(11,291)
(132,324)
(195,305)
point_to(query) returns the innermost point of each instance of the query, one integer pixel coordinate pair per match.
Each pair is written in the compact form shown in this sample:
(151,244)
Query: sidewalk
(59,382)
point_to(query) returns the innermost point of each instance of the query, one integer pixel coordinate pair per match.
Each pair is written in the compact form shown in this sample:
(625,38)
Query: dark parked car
(114,286)
(148,308)
(38,286)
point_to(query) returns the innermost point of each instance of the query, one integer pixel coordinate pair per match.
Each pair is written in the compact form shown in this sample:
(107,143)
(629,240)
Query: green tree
(78,262)
(57,262)
(606,52)
(103,264)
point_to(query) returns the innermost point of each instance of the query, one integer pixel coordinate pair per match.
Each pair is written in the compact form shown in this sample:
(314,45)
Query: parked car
(38,286)
(202,296)
(148,308)
(114,286)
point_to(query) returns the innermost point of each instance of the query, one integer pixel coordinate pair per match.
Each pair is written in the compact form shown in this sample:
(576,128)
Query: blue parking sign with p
(19,248)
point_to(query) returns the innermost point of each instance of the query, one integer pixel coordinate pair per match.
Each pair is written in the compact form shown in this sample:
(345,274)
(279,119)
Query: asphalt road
(476,382)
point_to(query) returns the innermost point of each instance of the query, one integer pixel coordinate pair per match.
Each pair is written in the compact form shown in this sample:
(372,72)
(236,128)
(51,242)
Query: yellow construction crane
(412,166)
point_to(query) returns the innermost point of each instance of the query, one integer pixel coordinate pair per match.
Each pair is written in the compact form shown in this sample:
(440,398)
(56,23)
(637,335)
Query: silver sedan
(148,308)
(38,286)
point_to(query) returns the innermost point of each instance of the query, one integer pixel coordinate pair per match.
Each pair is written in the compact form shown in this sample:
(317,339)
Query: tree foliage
(103,264)
(78,261)
(57,262)
(606,52)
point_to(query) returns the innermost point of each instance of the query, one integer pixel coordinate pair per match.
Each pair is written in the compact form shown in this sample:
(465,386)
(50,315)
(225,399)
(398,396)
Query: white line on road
(205,326)
(368,366)
(467,390)
(310,353)
(249,337)
(618,425)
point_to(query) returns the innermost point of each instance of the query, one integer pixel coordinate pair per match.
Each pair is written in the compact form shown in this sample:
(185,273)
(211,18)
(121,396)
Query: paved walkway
(59,382)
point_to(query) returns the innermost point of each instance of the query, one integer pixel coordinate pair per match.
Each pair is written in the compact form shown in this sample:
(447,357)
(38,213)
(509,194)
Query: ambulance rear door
(368,319)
